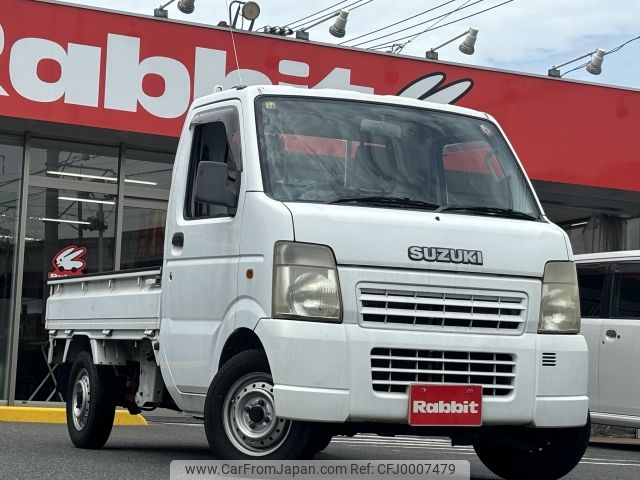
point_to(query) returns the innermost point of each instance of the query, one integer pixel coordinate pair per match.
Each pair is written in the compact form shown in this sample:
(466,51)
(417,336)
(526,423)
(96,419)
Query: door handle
(177,240)
(612,334)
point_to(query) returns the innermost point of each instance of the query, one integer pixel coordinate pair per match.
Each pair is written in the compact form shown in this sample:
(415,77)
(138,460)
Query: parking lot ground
(33,451)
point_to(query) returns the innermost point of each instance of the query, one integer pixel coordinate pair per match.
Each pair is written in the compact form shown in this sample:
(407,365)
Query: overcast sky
(523,35)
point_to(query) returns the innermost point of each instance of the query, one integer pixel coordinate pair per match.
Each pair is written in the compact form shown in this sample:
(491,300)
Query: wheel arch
(103,352)
(74,346)
(240,340)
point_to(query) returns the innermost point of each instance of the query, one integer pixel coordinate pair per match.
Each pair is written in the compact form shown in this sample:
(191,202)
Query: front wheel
(533,454)
(240,418)
(320,438)
(90,403)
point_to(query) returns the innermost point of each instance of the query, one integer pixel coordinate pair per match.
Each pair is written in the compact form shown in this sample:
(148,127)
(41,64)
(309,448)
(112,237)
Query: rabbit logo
(432,88)
(68,262)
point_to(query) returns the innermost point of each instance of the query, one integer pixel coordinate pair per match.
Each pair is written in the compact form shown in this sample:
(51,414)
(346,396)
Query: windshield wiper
(497,211)
(384,201)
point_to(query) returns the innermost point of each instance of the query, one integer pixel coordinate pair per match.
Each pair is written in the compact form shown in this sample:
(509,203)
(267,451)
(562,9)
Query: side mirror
(211,185)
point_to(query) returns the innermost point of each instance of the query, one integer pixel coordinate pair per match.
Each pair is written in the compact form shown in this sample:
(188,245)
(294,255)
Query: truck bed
(127,303)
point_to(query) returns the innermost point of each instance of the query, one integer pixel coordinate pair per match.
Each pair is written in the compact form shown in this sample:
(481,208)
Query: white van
(610,302)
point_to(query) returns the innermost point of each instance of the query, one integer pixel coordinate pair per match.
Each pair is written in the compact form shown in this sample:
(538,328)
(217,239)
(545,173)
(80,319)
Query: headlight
(560,306)
(305,283)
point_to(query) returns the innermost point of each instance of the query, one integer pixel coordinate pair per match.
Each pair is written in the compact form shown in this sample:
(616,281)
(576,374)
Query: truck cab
(335,263)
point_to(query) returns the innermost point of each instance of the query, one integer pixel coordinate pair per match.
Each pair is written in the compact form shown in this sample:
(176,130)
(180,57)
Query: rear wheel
(240,418)
(534,454)
(90,403)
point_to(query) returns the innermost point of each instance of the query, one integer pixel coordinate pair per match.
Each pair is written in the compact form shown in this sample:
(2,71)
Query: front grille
(441,309)
(394,369)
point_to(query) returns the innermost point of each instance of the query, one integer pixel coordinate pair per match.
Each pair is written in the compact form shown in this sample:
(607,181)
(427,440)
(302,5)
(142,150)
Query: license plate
(445,405)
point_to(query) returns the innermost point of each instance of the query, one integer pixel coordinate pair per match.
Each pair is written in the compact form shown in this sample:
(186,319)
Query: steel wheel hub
(81,400)
(250,421)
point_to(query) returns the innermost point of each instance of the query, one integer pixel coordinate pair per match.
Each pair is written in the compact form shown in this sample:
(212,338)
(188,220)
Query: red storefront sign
(86,67)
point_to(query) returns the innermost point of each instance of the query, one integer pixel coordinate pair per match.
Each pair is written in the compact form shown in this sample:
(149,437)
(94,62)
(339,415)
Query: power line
(310,15)
(443,25)
(397,23)
(315,13)
(576,68)
(355,5)
(613,50)
(412,26)
(431,27)
(361,5)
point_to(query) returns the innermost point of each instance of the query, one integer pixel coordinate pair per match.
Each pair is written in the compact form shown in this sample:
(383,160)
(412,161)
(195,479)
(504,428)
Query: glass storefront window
(147,178)
(74,161)
(57,220)
(142,234)
(71,225)
(10,176)
(147,173)
(70,230)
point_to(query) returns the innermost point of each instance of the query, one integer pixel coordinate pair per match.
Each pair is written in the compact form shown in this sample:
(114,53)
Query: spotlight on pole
(594,67)
(467,46)
(186,6)
(338,29)
(248,10)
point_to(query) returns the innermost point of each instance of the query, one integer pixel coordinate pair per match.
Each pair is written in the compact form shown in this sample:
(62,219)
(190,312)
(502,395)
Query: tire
(239,414)
(320,439)
(90,403)
(550,453)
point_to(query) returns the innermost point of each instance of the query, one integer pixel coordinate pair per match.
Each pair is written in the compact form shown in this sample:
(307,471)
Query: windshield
(347,152)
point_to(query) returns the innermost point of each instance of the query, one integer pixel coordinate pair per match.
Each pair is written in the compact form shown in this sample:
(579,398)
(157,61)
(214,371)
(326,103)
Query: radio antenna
(233,41)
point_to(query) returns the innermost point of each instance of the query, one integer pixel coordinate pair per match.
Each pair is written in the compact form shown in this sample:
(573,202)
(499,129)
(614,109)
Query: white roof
(256,90)
(608,256)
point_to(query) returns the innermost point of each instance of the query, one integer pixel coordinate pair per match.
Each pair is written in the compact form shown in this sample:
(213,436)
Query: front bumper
(322,372)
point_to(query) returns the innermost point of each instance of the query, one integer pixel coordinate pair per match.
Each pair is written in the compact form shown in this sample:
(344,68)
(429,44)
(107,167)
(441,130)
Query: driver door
(201,267)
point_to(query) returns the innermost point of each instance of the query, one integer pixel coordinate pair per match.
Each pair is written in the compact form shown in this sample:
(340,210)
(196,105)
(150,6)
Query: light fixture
(141,182)
(185,6)
(578,224)
(594,67)
(87,200)
(81,175)
(467,46)
(97,177)
(338,29)
(248,10)
(62,220)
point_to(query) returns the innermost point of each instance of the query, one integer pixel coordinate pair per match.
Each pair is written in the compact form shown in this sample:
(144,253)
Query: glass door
(70,230)
(11,154)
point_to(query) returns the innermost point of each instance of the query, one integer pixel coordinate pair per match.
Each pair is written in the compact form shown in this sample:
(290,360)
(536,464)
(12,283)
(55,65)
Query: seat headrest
(374,168)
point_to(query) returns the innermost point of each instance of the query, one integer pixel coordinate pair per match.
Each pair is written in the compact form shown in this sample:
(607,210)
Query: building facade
(92,104)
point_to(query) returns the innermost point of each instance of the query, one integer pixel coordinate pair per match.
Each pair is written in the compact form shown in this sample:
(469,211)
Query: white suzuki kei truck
(335,263)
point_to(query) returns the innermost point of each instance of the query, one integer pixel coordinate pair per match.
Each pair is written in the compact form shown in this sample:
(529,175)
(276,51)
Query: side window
(626,291)
(215,141)
(591,281)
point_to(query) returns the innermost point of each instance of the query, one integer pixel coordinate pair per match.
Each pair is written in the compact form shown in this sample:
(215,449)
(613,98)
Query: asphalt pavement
(43,451)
